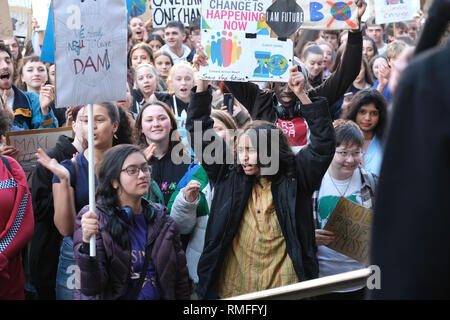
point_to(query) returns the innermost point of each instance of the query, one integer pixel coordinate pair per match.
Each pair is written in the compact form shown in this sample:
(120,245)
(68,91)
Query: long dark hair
(258,129)
(363,98)
(107,196)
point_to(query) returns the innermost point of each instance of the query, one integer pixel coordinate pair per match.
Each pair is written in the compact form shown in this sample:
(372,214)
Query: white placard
(90,51)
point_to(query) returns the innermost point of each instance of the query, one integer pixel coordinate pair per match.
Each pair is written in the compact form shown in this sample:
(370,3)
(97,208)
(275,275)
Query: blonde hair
(175,68)
(394,48)
(146,65)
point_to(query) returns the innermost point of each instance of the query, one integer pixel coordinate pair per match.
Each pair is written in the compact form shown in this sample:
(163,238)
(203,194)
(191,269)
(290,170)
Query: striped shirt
(257,259)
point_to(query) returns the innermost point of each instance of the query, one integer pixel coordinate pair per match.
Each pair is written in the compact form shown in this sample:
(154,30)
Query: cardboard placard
(6,29)
(351,224)
(90,51)
(387,11)
(28,141)
(164,11)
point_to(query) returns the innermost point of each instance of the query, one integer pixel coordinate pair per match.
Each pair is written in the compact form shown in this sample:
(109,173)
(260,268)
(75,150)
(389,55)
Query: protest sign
(387,11)
(6,30)
(329,15)
(236,39)
(28,141)
(164,11)
(40,12)
(20,18)
(351,225)
(48,46)
(90,51)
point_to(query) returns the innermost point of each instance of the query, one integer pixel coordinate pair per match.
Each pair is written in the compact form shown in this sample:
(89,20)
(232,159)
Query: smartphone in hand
(228,101)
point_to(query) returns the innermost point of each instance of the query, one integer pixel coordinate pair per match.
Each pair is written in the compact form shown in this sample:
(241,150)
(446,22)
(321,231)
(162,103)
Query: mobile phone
(348,96)
(228,101)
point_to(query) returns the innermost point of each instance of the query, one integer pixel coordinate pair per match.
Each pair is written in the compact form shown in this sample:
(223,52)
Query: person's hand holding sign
(200,59)
(362,5)
(89,225)
(324,237)
(297,84)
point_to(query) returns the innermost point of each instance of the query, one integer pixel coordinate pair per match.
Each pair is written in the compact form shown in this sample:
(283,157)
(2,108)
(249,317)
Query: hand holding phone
(228,101)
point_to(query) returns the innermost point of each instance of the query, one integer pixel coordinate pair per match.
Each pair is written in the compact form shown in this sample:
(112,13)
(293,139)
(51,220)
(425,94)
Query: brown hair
(19,83)
(140,138)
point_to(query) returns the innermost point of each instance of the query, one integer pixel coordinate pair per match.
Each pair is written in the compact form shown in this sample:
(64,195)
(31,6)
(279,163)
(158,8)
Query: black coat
(410,236)
(292,195)
(44,251)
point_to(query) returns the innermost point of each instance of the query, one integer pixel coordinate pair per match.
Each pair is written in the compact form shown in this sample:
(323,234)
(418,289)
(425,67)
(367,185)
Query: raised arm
(63,194)
(338,83)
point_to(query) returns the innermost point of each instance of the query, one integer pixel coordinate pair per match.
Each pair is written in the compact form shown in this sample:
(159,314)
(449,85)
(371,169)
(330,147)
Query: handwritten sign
(90,51)
(351,224)
(6,30)
(329,14)
(28,141)
(164,11)
(387,11)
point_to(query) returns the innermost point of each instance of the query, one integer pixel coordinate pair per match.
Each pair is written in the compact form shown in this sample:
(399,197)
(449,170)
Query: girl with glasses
(345,178)
(70,185)
(128,230)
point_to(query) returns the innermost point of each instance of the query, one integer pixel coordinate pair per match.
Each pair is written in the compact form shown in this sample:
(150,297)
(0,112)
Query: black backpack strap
(6,162)
(148,254)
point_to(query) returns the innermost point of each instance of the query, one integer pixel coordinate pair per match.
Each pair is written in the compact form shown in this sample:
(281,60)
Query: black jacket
(44,251)
(260,103)
(410,238)
(292,196)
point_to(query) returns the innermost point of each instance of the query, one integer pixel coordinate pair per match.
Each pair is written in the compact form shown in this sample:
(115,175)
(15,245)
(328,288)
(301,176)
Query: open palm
(52,164)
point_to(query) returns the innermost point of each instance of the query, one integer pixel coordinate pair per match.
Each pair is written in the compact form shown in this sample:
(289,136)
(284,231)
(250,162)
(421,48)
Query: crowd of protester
(169,224)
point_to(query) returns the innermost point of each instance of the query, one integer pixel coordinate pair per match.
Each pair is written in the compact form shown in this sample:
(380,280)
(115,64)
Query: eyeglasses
(345,154)
(134,171)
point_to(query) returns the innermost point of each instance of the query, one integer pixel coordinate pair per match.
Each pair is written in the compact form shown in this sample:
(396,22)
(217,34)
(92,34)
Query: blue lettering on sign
(314,10)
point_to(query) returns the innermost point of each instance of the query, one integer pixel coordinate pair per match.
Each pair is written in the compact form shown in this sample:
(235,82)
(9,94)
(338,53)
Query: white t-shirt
(330,261)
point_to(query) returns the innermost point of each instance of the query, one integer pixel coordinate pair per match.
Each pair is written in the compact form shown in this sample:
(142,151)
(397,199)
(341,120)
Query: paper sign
(6,30)
(329,15)
(40,12)
(351,225)
(21,21)
(48,47)
(387,11)
(90,51)
(164,11)
(236,39)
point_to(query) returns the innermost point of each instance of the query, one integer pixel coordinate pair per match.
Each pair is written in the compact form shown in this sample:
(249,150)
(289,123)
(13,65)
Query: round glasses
(134,170)
(345,154)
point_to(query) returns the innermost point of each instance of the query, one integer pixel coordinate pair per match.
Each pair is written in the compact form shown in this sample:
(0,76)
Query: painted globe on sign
(346,12)
(278,65)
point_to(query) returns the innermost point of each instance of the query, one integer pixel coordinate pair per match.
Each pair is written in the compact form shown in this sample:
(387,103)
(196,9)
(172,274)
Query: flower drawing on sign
(223,49)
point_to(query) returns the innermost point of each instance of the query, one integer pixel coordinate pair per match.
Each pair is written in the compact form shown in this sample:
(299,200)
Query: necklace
(334,184)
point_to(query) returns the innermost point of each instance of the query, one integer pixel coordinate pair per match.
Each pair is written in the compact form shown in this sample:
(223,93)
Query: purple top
(138,235)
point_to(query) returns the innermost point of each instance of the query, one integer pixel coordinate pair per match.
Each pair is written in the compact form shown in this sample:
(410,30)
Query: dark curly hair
(363,98)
